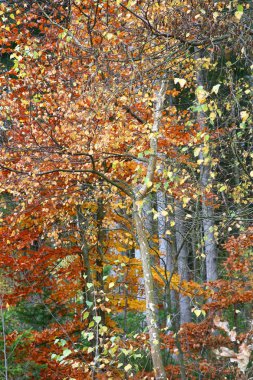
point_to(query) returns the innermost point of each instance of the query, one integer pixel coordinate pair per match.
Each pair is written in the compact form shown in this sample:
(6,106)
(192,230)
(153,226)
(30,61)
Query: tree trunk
(151,306)
(140,196)
(86,272)
(167,252)
(183,253)
(208,228)
(207,208)
(100,254)
(151,228)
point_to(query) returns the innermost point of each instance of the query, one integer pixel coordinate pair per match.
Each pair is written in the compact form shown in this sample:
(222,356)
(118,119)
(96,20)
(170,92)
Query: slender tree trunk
(140,196)
(207,208)
(151,306)
(166,250)
(86,273)
(151,228)
(100,253)
(183,254)
(4,341)
(164,245)
(208,228)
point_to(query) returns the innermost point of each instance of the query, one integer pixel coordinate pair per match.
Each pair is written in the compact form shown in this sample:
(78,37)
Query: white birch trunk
(207,209)
(141,194)
(151,306)
(208,228)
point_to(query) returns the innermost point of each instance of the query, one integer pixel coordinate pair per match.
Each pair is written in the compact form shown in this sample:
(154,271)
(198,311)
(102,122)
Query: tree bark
(86,272)
(207,208)
(183,254)
(167,251)
(101,236)
(208,228)
(151,306)
(140,196)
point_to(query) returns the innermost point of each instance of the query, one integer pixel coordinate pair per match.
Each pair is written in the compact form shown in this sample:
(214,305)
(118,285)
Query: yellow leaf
(127,367)
(215,15)
(201,94)
(148,183)
(197,312)
(215,89)
(109,36)
(186,200)
(244,115)
(238,15)
(181,81)
(196,152)
(205,150)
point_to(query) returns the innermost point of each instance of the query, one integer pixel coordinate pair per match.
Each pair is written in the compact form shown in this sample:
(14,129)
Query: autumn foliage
(113,111)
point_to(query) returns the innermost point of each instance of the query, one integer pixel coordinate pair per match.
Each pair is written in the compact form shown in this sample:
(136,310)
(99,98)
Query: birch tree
(151,305)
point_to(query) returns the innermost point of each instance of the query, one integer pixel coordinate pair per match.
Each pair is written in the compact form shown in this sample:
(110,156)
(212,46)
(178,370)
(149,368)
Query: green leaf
(90,336)
(66,352)
(85,315)
(62,342)
(63,34)
(35,54)
(148,182)
(89,303)
(204,107)
(222,188)
(97,319)
(239,12)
